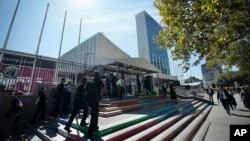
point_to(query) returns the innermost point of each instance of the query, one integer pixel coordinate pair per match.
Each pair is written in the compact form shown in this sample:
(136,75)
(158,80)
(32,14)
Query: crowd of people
(226,97)
(88,95)
(171,88)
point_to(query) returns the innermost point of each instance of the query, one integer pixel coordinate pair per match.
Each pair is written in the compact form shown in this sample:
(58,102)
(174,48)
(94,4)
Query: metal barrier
(46,71)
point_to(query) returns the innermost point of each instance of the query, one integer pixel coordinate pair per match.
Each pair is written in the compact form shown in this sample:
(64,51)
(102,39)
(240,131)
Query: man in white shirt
(223,96)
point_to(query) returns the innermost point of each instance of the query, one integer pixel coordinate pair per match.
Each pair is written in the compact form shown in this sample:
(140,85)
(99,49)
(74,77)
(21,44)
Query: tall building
(209,75)
(147,28)
(97,50)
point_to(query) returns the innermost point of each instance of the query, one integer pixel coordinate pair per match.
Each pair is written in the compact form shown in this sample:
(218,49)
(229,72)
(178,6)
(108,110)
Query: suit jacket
(226,94)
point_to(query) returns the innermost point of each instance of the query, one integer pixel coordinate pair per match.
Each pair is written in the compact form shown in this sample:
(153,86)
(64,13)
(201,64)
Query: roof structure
(140,64)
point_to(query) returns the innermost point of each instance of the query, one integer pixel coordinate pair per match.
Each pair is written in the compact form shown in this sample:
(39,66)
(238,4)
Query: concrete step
(174,130)
(188,133)
(153,131)
(201,134)
(130,131)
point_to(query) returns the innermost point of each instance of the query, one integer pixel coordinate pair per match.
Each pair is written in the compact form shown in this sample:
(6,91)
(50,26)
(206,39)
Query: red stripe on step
(162,128)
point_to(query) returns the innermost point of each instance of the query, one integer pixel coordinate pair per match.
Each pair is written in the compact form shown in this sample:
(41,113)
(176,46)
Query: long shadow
(237,115)
(242,110)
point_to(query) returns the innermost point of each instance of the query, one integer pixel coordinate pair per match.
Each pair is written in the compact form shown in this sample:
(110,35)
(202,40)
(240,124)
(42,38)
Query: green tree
(215,30)
(228,78)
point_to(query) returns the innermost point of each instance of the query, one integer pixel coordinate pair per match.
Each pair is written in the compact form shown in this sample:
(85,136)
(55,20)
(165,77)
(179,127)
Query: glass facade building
(147,28)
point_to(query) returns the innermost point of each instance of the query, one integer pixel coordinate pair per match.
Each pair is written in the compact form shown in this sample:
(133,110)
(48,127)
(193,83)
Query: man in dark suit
(93,88)
(210,93)
(59,97)
(80,102)
(223,96)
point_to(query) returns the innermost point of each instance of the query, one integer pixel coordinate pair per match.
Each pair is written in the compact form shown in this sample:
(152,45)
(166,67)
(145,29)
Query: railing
(47,71)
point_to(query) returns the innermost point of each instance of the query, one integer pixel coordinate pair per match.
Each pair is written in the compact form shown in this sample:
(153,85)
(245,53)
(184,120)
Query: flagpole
(60,48)
(78,46)
(38,47)
(9,31)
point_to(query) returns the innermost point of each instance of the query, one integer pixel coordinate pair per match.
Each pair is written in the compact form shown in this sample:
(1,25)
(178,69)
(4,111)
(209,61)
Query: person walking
(210,93)
(41,106)
(172,92)
(14,112)
(232,101)
(67,98)
(59,97)
(80,102)
(164,89)
(246,99)
(223,96)
(93,88)
(121,87)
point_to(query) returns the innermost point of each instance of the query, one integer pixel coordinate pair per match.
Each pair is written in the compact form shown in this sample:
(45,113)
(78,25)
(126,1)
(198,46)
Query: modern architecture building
(209,75)
(147,28)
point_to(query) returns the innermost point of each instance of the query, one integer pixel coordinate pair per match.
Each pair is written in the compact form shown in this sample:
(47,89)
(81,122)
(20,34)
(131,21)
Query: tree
(228,78)
(215,30)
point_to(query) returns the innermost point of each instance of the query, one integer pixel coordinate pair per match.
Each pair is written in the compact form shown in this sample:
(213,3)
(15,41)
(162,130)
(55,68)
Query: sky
(115,18)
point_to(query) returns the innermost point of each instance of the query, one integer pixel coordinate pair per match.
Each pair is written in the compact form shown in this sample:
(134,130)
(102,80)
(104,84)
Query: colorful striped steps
(170,133)
(201,134)
(169,121)
(163,124)
(188,133)
(104,130)
(123,134)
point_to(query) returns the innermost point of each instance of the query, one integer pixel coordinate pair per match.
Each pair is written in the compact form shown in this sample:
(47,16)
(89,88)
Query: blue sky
(116,18)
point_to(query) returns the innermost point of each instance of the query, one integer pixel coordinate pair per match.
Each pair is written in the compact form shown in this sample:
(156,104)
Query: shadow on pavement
(237,115)
(242,110)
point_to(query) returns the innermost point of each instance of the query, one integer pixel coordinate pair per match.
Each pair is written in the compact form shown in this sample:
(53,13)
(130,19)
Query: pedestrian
(67,98)
(41,105)
(80,102)
(14,112)
(210,93)
(59,97)
(121,87)
(113,85)
(246,99)
(232,101)
(223,96)
(93,88)
(172,91)
(164,89)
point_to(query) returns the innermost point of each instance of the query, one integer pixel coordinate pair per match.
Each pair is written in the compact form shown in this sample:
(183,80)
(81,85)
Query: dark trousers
(211,97)
(41,109)
(121,91)
(225,104)
(57,108)
(75,111)
(65,104)
(94,105)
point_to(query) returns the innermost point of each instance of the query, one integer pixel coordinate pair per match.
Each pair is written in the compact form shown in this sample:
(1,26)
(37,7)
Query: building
(96,50)
(108,58)
(209,75)
(147,28)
